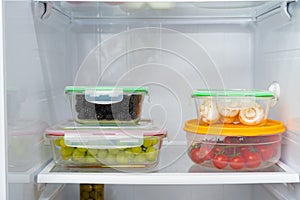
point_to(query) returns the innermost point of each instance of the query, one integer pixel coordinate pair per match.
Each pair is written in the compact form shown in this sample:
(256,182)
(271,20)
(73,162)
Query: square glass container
(106,105)
(101,147)
(247,107)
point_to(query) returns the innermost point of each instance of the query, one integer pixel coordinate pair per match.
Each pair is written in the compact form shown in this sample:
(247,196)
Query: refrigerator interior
(84,44)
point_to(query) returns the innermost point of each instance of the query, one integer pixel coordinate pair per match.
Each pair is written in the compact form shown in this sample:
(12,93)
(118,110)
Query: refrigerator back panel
(171,58)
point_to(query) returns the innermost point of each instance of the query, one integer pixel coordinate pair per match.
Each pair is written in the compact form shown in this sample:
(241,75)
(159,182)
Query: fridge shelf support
(281,8)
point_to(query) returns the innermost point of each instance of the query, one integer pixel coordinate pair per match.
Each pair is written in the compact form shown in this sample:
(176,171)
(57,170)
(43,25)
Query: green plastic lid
(232,93)
(81,89)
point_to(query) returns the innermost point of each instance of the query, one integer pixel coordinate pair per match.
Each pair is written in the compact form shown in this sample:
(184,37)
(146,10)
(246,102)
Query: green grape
(129,153)
(93,194)
(57,142)
(78,156)
(99,196)
(62,143)
(85,195)
(83,150)
(147,142)
(155,140)
(90,159)
(122,158)
(66,151)
(86,187)
(110,158)
(151,154)
(101,154)
(98,187)
(140,158)
(92,152)
(151,149)
(113,151)
(66,157)
(136,149)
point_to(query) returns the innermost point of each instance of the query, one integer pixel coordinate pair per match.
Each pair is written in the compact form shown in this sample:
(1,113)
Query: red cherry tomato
(237,162)
(276,148)
(229,151)
(206,152)
(195,155)
(203,153)
(276,145)
(220,161)
(242,149)
(257,139)
(266,152)
(252,158)
(232,140)
(272,138)
(217,149)
(276,141)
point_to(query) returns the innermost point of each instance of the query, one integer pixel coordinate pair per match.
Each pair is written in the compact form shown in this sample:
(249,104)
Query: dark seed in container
(99,116)
(78,107)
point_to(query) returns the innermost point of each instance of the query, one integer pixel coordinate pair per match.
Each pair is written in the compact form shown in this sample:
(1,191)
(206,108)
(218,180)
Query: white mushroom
(209,112)
(228,109)
(252,116)
(229,120)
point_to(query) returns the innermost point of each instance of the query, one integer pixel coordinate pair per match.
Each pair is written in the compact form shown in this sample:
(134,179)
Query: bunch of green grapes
(91,192)
(146,153)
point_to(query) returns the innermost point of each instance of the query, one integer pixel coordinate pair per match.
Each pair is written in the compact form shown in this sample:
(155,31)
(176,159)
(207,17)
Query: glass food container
(234,147)
(248,107)
(98,147)
(106,105)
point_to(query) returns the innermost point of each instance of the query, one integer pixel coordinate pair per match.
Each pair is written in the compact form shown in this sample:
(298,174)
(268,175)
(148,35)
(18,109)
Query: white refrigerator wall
(278,59)
(277,53)
(33,90)
(34,95)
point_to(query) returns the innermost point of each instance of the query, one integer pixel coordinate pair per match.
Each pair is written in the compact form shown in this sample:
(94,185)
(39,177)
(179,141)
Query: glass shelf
(175,168)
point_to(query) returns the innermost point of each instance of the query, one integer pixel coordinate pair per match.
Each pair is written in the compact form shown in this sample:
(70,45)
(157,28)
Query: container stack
(106,130)
(233,131)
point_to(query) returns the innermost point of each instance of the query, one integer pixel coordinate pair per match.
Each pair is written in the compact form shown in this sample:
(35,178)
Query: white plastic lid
(103,137)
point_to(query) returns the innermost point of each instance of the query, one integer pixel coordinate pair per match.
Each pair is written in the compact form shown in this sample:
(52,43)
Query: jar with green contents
(106,146)
(91,192)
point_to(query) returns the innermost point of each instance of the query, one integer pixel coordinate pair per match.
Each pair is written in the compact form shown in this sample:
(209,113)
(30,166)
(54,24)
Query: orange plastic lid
(271,127)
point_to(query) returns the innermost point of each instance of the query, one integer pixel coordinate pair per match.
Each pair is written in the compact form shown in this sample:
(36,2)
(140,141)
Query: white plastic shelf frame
(175,168)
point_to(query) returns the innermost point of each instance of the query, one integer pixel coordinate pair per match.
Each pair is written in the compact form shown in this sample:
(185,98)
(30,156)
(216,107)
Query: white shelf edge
(287,176)
(27,176)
